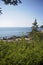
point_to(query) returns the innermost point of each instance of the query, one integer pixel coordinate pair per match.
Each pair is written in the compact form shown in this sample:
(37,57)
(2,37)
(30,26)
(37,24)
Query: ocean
(14,31)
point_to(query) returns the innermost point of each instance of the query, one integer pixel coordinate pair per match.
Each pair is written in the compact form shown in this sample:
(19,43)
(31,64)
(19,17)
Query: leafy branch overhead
(11,2)
(0,11)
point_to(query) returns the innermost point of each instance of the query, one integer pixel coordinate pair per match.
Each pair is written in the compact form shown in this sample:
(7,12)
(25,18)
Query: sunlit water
(14,31)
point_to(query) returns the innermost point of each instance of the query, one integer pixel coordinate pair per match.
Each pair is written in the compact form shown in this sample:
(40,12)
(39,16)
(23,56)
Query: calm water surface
(14,31)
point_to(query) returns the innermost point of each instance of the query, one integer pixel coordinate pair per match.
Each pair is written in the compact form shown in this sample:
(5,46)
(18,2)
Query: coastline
(16,38)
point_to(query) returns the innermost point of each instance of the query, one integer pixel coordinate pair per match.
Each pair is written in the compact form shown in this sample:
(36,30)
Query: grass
(22,52)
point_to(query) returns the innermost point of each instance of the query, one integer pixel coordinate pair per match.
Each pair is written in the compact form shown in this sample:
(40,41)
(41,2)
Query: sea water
(14,31)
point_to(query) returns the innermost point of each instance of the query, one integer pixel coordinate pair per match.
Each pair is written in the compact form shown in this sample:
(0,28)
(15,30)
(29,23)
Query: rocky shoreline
(16,38)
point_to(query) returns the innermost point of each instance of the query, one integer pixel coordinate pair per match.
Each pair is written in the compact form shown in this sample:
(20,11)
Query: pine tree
(35,26)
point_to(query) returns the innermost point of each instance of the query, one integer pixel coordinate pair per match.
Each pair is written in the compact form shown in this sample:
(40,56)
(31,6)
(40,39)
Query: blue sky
(22,15)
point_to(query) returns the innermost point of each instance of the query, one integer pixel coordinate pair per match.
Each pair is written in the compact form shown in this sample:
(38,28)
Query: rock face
(13,37)
(16,38)
(9,38)
(27,39)
(42,31)
(4,38)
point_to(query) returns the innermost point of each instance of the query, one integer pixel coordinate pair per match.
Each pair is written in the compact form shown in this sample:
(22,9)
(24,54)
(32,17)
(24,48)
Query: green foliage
(11,2)
(0,10)
(41,26)
(35,26)
(22,52)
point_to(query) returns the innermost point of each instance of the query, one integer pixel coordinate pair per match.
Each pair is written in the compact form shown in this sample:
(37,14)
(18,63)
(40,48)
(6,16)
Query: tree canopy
(11,2)
(35,26)
(0,11)
(41,26)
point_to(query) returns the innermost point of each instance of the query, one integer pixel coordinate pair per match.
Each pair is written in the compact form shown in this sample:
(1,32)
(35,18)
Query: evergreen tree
(35,26)
(41,26)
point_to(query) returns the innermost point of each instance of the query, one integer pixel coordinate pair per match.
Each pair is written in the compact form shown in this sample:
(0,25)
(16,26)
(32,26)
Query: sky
(22,15)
